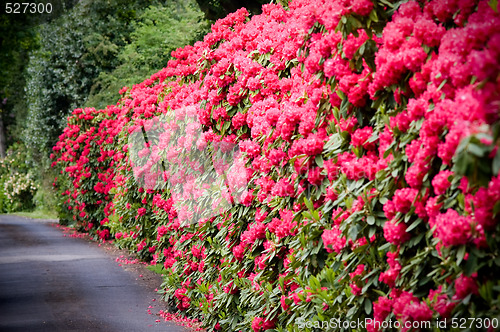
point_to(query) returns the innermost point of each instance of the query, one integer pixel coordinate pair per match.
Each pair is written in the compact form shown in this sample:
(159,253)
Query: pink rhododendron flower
(333,240)
(441,182)
(464,286)
(452,229)
(261,324)
(361,136)
(441,302)
(390,276)
(395,232)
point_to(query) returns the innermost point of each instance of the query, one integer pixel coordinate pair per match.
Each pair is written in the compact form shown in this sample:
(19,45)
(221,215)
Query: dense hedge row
(365,138)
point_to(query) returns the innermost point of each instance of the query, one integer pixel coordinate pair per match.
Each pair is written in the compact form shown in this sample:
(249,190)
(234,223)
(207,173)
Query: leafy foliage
(158,31)
(74,50)
(18,182)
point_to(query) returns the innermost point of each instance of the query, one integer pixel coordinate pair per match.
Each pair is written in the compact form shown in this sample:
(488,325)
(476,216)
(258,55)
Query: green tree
(16,40)
(74,49)
(93,50)
(18,37)
(158,31)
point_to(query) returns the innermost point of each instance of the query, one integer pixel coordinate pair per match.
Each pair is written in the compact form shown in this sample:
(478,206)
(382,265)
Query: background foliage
(157,31)
(18,185)
(83,53)
(18,38)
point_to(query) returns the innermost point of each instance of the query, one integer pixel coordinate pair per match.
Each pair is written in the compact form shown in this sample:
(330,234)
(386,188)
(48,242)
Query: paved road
(49,282)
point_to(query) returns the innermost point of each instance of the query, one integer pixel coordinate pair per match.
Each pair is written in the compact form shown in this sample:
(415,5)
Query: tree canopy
(86,55)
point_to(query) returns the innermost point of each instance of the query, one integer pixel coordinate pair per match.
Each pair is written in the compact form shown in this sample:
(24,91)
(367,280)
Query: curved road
(49,282)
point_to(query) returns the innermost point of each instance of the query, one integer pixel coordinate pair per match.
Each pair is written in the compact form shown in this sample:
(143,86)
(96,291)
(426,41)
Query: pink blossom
(441,182)
(333,240)
(283,188)
(404,199)
(464,286)
(381,309)
(441,303)
(359,270)
(452,229)
(417,312)
(390,276)
(284,226)
(355,290)
(395,232)
(360,136)
(261,324)
(314,177)
(283,303)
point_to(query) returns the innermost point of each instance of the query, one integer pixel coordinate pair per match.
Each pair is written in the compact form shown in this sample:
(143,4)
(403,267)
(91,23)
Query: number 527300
(468,323)
(28,7)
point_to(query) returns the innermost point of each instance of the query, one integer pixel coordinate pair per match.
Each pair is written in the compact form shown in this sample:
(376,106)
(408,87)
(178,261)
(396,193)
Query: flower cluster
(17,185)
(335,159)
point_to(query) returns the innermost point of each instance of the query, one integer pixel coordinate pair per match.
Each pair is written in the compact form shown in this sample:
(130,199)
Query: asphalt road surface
(49,282)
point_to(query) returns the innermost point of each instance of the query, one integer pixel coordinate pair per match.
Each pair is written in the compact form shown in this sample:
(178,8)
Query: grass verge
(37,214)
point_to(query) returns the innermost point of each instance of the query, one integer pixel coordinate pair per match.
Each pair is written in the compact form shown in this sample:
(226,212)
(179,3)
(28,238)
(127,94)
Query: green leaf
(309,204)
(496,209)
(314,283)
(414,225)
(362,49)
(494,5)
(319,160)
(370,220)
(460,254)
(351,312)
(368,306)
(441,85)
(496,163)
(477,150)
(344,106)
(372,231)
(354,231)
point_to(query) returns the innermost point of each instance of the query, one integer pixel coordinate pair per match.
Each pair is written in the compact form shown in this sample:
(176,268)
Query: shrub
(18,184)
(369,135)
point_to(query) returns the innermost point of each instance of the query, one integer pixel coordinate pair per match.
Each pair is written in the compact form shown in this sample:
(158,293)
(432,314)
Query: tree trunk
(2,138)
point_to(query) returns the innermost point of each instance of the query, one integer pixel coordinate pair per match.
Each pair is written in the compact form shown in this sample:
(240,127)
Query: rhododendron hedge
(369,134)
